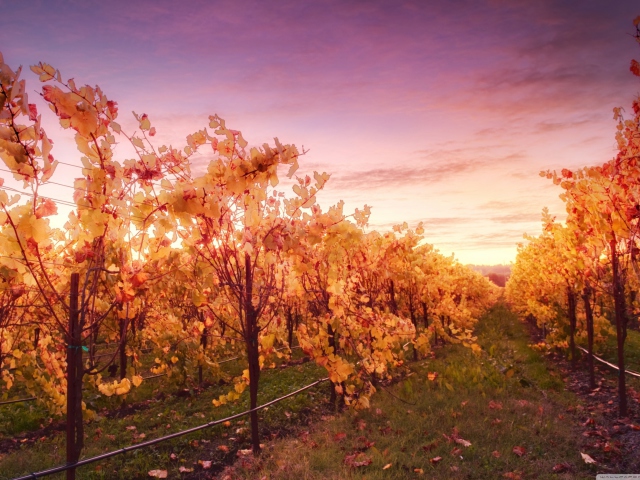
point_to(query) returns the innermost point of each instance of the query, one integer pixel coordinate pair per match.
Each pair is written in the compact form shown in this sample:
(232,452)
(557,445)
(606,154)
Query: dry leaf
(388,465)
(495,454)
(206,464)
(495,405)
(158,473)
(223,448)
(431,376)
(435,460)
(463,442)
(561,468)
(358,460)
(338,437)
(185,469)
(520,451)
(587,458)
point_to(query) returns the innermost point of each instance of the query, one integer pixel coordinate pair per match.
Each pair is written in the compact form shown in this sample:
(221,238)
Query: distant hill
(487,269)
(498,274)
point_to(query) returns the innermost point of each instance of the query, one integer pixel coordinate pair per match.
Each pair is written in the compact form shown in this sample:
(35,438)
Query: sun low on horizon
(436,112)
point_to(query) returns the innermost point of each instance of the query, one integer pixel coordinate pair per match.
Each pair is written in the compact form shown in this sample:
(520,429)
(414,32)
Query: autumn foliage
(581,279)
(200,267)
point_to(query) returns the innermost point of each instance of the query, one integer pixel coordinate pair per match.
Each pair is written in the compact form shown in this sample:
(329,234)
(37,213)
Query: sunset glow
(442,112)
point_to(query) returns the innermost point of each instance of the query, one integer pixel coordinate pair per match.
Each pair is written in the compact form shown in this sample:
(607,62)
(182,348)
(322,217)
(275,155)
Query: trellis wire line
(30,399)
(104,456)
(629,372)
(50,182)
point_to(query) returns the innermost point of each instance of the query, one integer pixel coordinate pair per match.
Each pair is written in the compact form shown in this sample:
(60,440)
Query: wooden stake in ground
(75,433)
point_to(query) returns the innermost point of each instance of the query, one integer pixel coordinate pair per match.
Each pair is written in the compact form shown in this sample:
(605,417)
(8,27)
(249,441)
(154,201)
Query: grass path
(505,402)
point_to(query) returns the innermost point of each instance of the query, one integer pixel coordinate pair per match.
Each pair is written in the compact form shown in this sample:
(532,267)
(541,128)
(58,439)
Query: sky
(442,112)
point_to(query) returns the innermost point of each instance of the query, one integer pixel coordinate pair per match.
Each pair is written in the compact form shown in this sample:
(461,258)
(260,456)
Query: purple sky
(440,111)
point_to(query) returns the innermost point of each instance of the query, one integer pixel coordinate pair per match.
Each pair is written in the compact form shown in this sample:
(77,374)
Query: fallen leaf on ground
(431,376)
(223,448)
(587,458)
(495,405)
(520,451)
(495,454)
(561,468)
(435,460)
(158,473)
(338,437)
(206,464)
(185,469)
(430,446)
(463,442)
(512,475)
(357,460)
(388,465)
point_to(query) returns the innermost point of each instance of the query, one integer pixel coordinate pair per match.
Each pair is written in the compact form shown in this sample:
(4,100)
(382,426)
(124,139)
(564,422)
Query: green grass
(158,416)
(503,398)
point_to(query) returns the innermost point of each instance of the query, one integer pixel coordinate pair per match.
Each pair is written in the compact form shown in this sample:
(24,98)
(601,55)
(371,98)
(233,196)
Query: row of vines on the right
(581,278)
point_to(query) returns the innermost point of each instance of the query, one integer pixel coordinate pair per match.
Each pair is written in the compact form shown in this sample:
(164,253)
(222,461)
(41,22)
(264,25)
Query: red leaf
(561,468)
(520,451)
(435,460)
(33,112)
(338,437)
(635,68)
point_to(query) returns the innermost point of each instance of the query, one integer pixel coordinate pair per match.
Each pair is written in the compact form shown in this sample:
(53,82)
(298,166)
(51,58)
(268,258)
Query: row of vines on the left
(197,267)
